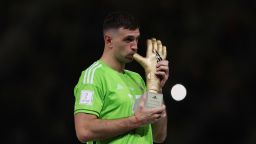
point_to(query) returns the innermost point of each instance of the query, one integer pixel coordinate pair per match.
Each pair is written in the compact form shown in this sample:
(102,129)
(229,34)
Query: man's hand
(162,71)
(146,116)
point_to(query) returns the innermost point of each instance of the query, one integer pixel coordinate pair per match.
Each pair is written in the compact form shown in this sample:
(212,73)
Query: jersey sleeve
(88,97)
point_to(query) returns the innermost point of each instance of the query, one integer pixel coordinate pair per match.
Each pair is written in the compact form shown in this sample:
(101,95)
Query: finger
(157,110)
(163,114)
(163,63)
(159,47)
(161,75)
(157,116)
(162,66)
(149,47)
(142,101)
(162,69)
(163,105)
(164,52)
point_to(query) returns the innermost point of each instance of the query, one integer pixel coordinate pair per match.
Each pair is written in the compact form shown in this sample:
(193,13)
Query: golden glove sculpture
(155,53)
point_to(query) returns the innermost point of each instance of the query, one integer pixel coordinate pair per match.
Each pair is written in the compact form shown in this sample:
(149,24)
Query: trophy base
(154,100)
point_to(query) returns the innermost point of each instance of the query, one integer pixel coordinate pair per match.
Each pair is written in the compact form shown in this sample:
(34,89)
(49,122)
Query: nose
(134,46)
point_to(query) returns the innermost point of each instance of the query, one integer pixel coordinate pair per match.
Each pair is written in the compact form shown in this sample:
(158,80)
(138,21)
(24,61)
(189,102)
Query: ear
(108,40)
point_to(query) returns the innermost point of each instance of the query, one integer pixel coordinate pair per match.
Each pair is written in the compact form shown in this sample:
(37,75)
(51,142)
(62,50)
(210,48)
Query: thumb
(142,101)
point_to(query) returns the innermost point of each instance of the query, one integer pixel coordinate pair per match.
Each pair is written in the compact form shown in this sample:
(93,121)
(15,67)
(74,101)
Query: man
(106,92)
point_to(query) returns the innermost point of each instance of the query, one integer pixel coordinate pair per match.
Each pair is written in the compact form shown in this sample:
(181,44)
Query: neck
(110,60)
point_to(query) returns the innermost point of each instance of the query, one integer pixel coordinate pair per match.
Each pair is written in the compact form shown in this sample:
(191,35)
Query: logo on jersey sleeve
(86,97)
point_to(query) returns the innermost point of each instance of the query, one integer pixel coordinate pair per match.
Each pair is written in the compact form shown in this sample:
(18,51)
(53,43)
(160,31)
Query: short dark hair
(115,20)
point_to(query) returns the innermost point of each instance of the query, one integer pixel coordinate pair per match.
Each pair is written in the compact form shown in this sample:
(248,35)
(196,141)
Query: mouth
(130,56)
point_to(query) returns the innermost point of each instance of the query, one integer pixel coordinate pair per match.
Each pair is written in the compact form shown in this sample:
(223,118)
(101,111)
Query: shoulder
(92,73)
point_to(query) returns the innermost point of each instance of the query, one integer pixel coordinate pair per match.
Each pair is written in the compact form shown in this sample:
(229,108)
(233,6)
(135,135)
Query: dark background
(45,44)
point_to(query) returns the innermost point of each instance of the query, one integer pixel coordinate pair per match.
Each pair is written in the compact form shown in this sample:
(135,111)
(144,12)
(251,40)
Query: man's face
(125,44)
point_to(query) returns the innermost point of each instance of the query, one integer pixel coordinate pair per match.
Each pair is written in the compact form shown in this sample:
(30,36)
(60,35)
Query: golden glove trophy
(155,53)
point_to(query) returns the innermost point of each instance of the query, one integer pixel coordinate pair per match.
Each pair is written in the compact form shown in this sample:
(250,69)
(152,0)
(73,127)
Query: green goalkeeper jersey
(109,94)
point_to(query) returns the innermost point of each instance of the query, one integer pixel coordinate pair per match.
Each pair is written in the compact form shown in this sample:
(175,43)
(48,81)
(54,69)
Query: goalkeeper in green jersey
(109,100)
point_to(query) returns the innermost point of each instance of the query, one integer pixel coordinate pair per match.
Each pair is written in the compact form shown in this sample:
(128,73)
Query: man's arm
(160,129)
(89,127)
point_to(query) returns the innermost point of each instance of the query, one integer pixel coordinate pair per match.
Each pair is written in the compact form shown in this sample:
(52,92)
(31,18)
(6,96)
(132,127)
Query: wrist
(136,121)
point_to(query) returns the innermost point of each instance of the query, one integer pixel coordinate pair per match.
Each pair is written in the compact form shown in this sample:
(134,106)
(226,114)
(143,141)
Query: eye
(129,39)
